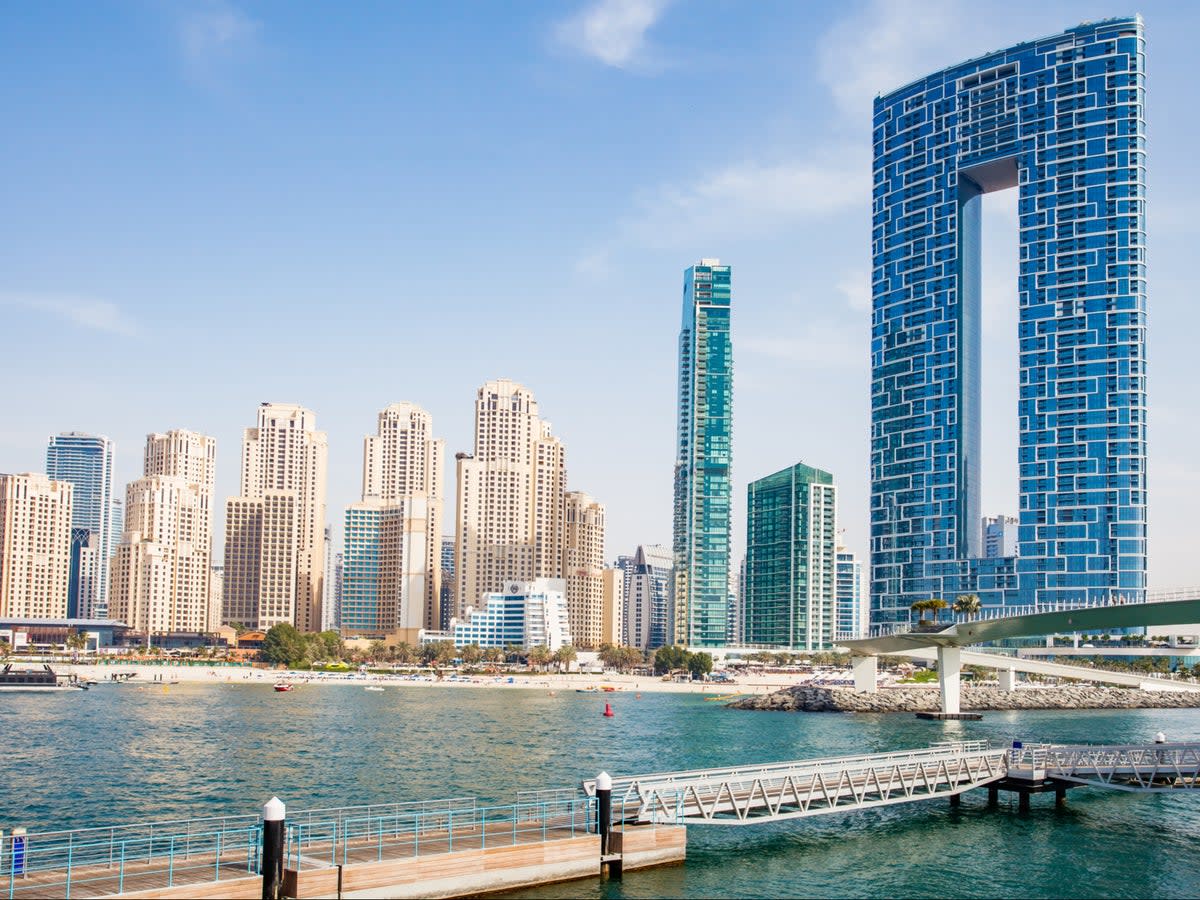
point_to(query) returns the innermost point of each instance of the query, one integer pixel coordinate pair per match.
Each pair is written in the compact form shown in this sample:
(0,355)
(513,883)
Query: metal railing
(404,833)
(105,859)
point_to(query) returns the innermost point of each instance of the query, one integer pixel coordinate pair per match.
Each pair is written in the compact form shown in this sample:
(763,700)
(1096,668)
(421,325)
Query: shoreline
(805,698)
(156,675)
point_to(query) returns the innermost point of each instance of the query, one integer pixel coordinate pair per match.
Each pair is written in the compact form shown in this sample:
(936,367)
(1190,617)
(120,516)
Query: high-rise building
(448,606)
(612,625)
(849,598)
(35,546)
(583,566)
(1062,120)
(648,608)
(703,459)
(791,539)
(86,460)
(384,568)
(401,462)
(392,558)
(216,596)
(275,528)
(160,569)
(510,504)
(999,536)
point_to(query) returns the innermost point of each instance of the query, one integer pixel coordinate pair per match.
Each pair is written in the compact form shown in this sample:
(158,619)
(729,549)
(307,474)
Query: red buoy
(608,713)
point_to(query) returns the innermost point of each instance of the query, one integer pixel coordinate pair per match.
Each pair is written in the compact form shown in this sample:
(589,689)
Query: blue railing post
(450,832)
(417,834)
(543,821)
(516,812)
(217,861)
(483,829)
(121,875)
(70,860)
(171,864)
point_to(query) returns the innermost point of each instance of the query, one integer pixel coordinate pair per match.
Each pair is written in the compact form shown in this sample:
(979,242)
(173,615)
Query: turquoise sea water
(128,753)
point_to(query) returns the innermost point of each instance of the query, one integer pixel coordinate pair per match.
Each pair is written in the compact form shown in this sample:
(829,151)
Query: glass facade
(791,543)
(86,460)
(1061,120)
(703,459)
(528,614)
(849,595)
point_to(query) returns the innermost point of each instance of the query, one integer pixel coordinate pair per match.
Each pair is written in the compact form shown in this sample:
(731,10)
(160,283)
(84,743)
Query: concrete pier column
(1008,679)
(1060,796)
(1023,802)
(866,673)
(949,661)
(273,828)
(993,795)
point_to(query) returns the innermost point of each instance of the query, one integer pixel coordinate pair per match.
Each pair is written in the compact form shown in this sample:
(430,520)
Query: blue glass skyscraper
(1060,119)
(703,458)
(86,460)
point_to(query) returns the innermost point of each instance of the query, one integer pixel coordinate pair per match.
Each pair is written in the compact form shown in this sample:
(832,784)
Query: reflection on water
(124,753)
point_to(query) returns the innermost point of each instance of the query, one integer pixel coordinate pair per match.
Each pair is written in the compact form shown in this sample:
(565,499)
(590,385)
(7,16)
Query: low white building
(527,613)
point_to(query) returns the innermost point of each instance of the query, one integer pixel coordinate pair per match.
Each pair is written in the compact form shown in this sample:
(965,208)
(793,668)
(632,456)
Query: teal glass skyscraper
(703,459)
(1060,119)
(791,560)
(86,461)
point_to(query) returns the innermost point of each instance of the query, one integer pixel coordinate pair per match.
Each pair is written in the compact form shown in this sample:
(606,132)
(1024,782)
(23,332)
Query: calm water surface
(128,753)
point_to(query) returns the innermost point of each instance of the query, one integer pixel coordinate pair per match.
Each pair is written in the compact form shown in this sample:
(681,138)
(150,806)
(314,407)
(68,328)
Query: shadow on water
(130,753)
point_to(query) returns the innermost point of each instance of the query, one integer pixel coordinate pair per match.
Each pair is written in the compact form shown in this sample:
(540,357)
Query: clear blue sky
(212,204)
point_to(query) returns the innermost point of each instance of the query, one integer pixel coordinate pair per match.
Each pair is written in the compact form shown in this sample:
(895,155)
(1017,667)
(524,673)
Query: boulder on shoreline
(802,698)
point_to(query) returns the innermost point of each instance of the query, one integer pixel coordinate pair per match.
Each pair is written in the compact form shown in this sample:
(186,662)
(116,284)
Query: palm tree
(376,650)
(564,656)
(471,654)
(967,604)
(404,654)
(5,649)
(540,656)
(933,605)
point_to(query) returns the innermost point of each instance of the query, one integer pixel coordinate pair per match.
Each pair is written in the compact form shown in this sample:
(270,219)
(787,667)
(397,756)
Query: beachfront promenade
(453,848)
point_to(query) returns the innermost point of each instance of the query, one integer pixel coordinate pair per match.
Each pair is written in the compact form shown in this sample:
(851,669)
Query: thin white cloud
(824,344)
(83,312)
(887,44)
(213,32)
(746,200)
(613,31)
(855,288)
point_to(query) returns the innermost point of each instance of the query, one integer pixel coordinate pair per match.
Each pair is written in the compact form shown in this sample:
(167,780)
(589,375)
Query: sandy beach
(144,673)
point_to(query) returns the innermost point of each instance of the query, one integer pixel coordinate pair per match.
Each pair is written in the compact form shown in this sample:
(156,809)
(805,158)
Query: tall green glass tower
(703,458)
(791,560)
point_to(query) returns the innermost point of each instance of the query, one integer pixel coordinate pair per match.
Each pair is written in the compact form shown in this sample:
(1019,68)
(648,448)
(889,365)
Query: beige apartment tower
(583,568)
(35,546)
(161,568)
(275,528)
(509,510)
(403,464)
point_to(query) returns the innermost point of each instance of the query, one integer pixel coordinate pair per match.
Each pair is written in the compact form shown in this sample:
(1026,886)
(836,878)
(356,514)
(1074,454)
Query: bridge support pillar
(949,661)
(1060,796)
(1008,679)
(993,795)
(1023,801)
(866,673)
(955,799)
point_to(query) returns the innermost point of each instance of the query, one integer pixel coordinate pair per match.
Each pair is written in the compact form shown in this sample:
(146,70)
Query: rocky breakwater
(801,698)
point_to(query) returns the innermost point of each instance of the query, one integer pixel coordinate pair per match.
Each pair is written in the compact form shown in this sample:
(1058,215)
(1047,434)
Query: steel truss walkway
(791,790)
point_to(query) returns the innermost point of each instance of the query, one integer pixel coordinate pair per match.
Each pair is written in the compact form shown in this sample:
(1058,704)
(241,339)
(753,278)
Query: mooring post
(273,828)
(603,809)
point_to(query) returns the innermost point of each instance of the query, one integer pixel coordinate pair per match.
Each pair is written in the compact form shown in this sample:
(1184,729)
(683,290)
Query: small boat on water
(373,687)
(37,680)
(283,686)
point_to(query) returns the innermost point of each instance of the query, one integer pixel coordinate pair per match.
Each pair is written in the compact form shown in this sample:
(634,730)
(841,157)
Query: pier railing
(103,860)
(400,833)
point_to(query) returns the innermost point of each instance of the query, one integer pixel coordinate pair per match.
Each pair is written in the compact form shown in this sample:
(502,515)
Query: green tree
(513,653)
(564,656)
(933,605)
(493,655)
(471,654)
(967,604)
(540,656)
(446,652)
(76,641)
(405,654)
(377,650)
(669,659)
(284,645)
(5,649)
(699,664)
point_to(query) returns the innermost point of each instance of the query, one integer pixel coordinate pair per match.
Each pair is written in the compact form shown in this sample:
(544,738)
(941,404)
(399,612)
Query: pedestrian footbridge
(755,794)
